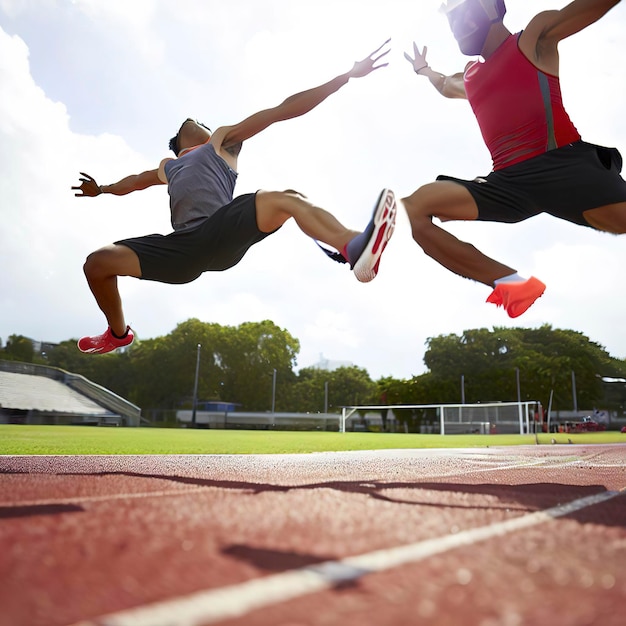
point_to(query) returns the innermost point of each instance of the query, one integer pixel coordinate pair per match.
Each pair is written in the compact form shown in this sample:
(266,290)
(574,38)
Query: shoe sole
(384,218)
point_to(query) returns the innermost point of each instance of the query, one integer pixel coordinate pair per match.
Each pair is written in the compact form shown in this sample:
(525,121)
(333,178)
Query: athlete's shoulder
(161,170)
(539,28)
(218,136)
(541,22)
(225,146)
(537,46)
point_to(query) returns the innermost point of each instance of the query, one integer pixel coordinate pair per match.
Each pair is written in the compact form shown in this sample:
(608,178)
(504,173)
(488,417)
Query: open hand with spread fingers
(88,187)
(419,62)
(368,64)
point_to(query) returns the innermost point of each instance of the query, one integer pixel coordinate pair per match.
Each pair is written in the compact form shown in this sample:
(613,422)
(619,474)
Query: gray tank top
(199,183)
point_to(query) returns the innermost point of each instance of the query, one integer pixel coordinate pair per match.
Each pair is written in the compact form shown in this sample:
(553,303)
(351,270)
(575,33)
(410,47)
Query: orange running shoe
(517,298)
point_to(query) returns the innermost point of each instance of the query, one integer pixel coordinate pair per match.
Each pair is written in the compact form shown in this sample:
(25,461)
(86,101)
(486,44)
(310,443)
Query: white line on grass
(215,605)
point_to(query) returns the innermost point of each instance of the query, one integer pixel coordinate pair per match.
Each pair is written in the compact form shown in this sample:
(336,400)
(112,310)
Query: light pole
(195,388)
(326,397)
(274,391)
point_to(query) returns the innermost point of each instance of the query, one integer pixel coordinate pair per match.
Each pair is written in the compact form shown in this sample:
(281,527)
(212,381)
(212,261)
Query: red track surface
(88,539)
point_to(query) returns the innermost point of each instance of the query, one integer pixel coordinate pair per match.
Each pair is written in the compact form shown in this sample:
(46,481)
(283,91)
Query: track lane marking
(215,605)
(164,493)
(106,498)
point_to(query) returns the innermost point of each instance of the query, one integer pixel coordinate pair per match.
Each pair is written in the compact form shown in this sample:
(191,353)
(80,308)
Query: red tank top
(518,107)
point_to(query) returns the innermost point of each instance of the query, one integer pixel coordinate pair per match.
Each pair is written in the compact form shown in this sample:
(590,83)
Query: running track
(496,536)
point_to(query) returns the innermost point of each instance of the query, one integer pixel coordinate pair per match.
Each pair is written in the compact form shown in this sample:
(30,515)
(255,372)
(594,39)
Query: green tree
(543,359)
(346,386)
(306,393)
(249,354)
(19,348)
(351,386)
(164,368)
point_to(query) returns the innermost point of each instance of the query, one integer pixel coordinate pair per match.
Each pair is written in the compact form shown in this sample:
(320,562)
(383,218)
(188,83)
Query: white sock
(512,278)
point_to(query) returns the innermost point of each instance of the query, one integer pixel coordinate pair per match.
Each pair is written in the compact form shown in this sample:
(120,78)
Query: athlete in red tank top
(518,107)
(540,163)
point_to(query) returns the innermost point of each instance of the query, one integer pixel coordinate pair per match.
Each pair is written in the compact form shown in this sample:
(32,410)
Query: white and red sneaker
(364,251)
(107,342)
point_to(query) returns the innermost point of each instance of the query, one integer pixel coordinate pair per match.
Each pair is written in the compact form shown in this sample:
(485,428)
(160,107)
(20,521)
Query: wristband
(422,68)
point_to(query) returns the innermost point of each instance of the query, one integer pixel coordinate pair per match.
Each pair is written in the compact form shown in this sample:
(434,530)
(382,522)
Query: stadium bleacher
(33,394)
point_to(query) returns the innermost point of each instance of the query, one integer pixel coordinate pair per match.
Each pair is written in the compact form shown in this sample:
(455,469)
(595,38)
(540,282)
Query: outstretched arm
(89,188)
(539,40)
(554,26)
(300,103)
(449,86)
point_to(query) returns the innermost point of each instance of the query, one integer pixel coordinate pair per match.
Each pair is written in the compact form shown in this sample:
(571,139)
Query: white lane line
(106,498)
(192,490)
(530,464)
(215,605)
(202,489)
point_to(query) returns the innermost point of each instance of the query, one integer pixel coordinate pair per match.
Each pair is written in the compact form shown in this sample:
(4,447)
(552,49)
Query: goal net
(451,419)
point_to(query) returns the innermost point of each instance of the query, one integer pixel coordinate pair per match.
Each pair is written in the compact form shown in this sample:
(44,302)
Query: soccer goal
(449,419)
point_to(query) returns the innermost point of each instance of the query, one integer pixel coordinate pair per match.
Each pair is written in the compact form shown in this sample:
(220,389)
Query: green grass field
(44,440)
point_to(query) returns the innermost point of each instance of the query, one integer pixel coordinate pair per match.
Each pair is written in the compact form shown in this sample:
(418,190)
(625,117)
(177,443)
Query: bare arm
(89,188)
(558,25)
(298,104)
(449,86)
(540,39)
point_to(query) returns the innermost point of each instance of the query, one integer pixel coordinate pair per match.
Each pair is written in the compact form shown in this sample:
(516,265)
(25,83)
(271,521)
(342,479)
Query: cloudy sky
(100,85)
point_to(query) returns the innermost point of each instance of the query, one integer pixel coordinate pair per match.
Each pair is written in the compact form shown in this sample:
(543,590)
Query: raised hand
(419,62)
(88,187)
(368,64)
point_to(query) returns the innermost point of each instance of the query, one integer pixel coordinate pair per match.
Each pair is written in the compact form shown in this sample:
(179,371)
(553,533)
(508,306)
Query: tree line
(254,366)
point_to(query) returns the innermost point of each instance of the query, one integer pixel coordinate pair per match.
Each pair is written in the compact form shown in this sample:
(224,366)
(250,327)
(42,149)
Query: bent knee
(293,192)
(610,219)
(285,197)
(274,208)
(115,260)
(421,229)
(445,200)
(94,264)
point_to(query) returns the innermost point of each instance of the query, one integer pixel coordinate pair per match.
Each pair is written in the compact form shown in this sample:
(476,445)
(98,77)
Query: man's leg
(450,201)
(610,218)
(102,268)
(274,208)
(361,250)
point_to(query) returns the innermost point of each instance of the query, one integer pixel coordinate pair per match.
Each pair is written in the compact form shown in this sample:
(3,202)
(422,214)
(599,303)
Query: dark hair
(173,145)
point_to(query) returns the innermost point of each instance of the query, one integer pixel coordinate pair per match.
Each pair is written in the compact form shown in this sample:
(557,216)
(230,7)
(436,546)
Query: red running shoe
(364,251)
(101,344)
(516,298)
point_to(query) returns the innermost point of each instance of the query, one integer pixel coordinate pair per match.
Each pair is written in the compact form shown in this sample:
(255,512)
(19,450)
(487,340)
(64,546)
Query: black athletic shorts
(563,182)
(214,245)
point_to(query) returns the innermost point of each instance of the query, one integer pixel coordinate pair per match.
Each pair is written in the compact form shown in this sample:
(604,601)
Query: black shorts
(564,182)
(214,245)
